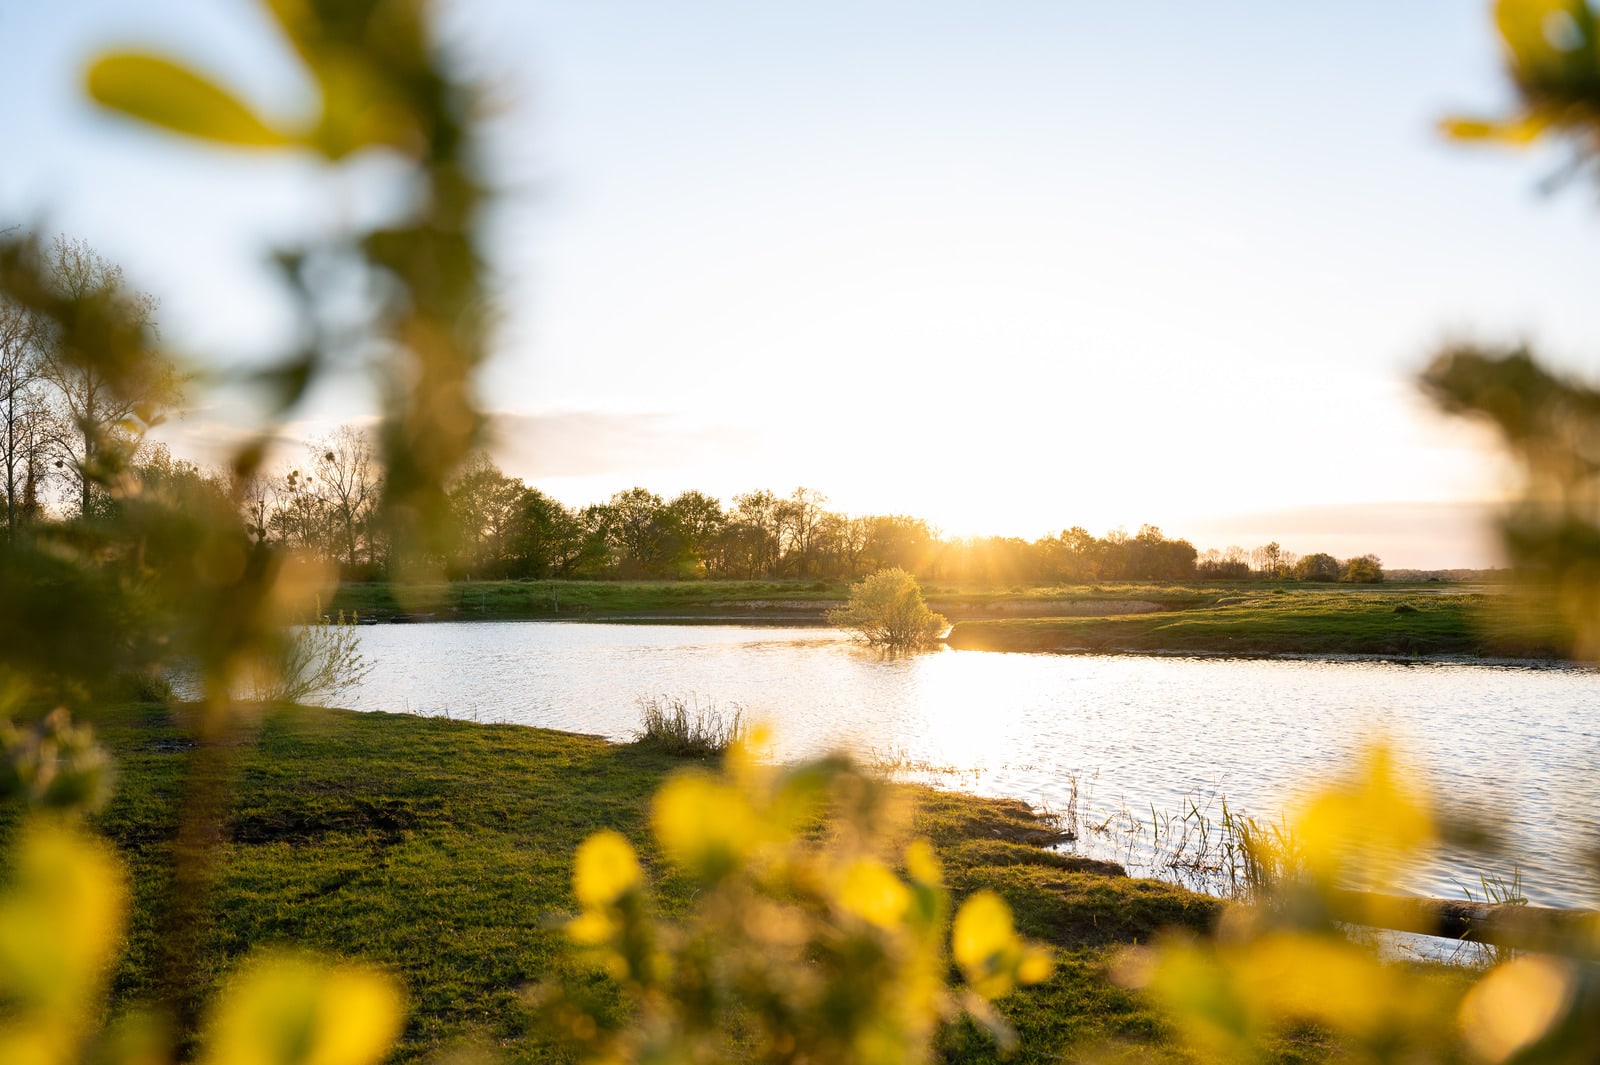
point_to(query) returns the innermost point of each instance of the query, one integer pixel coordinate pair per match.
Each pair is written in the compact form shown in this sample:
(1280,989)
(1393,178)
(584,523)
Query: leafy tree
(699,521)
(1368,569)
(1317,567)
(489,509)
(548,539)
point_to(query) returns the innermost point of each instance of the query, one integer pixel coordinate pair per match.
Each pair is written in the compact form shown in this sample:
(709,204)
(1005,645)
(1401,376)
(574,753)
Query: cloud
(1424,535)
(597,443)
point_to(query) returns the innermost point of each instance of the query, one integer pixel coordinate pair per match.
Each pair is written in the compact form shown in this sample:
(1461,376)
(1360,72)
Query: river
(1136,740)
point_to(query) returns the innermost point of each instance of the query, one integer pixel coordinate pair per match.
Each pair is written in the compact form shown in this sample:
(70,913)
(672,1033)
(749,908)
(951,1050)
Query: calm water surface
(1134,732)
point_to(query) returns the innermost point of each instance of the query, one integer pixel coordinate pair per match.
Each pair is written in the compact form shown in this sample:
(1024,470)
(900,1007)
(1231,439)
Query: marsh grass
(1496,890)
(1203,844)
(682,728)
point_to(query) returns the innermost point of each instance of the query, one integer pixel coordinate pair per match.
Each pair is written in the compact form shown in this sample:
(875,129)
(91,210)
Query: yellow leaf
(1518,132)
(984,942)
(292,1010)
(1372,824)
(1513,1006)
(605,868)
(60,918)
(868,890)
(1036,966)
(161,92)
(590,929)
(923,864)
(1527,27)
(705,827)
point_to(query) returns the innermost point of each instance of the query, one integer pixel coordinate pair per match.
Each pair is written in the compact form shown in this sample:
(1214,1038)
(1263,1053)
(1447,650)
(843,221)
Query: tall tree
(110,395)
(488,507)
(25,424)
(347,472)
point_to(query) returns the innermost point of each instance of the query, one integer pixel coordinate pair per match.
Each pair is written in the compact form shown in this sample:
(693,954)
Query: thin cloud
(599,443)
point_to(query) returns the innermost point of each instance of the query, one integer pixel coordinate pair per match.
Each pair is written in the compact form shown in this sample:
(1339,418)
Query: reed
(681,727)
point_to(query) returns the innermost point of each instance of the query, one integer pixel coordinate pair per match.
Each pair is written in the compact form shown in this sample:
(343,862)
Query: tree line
(507,529)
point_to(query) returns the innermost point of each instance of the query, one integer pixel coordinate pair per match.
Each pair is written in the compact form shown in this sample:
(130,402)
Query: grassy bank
(1399,622)
(593,600)
(1246,619)
(442,851)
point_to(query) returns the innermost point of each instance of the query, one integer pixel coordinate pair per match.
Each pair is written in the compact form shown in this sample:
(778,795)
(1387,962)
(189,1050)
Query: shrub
(799,946)
(675,727)
(315,661)
(887,609)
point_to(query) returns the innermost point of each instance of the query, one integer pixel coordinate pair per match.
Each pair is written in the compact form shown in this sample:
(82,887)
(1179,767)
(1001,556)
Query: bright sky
(1010,266)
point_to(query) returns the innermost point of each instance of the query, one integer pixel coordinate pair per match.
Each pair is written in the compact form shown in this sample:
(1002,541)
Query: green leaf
(165,94)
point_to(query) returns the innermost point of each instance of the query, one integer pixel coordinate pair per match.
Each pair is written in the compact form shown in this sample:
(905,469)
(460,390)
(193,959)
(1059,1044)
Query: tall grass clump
(680,727)
(887,610)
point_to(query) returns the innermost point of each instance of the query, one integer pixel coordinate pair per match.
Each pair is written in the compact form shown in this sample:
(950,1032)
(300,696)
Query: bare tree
(105,408)
(24,424)
(347,471)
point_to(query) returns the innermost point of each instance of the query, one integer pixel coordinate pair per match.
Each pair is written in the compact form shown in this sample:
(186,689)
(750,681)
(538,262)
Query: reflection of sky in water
(1518,743)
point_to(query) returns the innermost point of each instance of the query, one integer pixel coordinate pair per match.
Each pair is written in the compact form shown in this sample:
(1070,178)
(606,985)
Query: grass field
(1310,621)
(442,851)
(593,600)
(1242,619)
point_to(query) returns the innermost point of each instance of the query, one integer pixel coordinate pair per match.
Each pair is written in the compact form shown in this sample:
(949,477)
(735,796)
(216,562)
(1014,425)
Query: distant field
(1425,618)
(1403,621)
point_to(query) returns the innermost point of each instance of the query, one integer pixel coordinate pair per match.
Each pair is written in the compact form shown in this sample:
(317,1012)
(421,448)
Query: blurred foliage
(806,942)
(1551,425)
(1549,422)
(158,570)
(1552,58)
(1288,962)
(818,930)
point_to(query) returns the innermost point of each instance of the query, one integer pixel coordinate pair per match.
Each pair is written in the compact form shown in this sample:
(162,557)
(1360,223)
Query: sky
(1010,267)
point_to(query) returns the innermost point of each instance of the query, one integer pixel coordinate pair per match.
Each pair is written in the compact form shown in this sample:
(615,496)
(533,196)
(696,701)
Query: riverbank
(1424,620)
(1398,623)
(442,850)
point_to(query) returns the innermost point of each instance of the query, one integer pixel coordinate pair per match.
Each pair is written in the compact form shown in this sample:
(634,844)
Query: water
(1519,744)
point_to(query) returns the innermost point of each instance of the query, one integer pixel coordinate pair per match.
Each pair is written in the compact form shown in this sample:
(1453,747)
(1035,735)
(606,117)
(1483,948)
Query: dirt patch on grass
(391,819)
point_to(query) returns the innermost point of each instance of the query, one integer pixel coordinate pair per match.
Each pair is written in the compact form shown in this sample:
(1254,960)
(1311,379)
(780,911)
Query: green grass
(592,600)
(442,851)
(1244,619)
(1310,620)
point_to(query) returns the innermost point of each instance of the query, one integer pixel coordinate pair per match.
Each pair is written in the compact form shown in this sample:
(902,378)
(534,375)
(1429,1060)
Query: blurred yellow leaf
(1515,1004)
(60,918)
(869,890)
(605,868)
(161,92)
(1371,824)
(985,944)
(590,929)
(1518,132)
(923,864)
(706,827)
(291,1010)
(1538,33)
